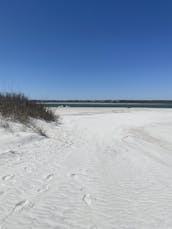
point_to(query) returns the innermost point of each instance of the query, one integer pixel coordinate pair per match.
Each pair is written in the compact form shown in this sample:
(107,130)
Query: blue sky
(86,49)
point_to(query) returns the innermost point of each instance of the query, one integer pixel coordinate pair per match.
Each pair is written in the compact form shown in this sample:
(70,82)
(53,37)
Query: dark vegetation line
(20,108)
(105,101)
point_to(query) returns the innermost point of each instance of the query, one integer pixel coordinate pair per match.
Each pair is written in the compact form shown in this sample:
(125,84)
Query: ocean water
(124,105)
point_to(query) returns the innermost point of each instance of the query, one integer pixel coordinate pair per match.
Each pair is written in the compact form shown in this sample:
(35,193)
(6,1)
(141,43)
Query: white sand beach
(101,168)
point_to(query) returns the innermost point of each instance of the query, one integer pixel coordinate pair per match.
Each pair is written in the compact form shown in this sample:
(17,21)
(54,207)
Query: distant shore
(107,101)
(124,104)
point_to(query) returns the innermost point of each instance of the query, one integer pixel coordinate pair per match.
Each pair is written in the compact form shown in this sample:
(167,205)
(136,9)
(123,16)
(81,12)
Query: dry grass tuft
(18,107)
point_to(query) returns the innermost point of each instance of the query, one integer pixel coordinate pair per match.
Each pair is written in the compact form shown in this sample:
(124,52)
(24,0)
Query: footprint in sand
(23,205)
(7,177)
(75,176)
(43,189)
(87,199)
(49,177)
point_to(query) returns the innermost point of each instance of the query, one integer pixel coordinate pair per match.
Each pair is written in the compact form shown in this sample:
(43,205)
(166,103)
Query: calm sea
(124,105)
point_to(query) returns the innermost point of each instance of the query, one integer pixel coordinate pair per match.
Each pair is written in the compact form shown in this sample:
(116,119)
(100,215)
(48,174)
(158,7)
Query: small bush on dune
(20,108)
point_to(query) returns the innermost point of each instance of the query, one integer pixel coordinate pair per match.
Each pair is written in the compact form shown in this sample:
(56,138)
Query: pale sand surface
(104,168)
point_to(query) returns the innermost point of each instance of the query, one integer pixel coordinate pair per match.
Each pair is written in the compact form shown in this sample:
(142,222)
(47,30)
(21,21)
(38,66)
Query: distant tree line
(105,101)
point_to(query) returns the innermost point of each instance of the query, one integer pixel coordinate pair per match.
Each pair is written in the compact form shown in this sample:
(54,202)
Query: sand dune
(100,168)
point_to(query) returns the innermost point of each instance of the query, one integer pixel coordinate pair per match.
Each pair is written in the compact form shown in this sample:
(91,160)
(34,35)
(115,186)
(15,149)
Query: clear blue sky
(86,49)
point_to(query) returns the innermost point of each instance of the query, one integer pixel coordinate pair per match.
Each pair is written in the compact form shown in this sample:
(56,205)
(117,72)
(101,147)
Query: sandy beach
(100,168)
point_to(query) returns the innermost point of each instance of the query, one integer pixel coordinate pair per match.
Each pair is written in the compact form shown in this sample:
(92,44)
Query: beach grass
(19,108)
